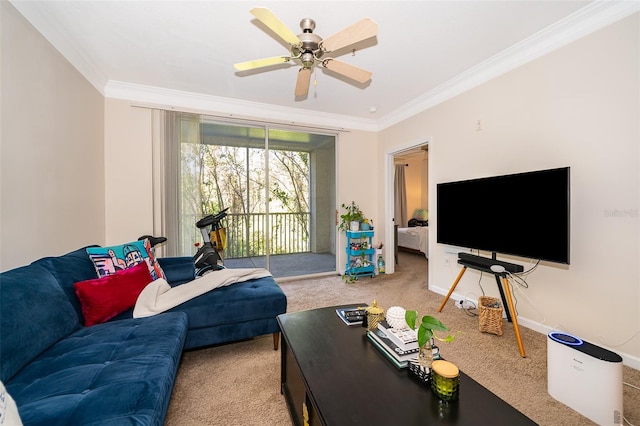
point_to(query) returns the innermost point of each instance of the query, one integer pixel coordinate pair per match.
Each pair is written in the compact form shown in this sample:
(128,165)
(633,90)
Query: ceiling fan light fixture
(307,59)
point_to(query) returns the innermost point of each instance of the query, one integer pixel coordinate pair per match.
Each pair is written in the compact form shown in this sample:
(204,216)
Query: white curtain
(168,129)
(400,216)
(158,145)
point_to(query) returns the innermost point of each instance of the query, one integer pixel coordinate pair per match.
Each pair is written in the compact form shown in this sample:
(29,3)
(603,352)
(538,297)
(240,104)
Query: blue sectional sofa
(121,371)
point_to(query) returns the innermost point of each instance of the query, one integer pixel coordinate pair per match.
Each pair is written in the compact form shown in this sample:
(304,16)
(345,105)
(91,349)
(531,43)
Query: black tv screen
(524,214)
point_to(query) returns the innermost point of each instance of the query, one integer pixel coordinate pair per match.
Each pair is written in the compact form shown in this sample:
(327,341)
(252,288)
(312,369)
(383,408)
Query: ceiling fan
(308,48)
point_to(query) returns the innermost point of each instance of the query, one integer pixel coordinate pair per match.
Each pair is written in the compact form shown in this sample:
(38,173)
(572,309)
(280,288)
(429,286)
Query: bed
(414,239)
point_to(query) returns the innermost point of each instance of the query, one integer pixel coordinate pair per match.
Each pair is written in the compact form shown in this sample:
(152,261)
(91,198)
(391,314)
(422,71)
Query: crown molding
(589,19)
(168,99)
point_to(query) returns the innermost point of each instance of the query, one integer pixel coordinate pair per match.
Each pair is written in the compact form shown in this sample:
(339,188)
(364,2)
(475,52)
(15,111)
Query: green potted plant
(351,219)
(425,335)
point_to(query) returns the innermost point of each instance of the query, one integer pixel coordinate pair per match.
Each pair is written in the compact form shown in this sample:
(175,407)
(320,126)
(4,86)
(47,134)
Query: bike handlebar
(153,241)
(211,219)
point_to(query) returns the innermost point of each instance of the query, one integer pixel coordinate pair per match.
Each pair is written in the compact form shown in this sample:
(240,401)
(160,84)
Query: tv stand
(484,264)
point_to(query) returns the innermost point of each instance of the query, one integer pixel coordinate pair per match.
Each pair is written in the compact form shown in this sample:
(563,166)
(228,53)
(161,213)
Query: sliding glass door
(279,187)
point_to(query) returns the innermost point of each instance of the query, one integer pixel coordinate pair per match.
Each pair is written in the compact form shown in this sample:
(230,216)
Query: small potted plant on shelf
(350,221)
(366,224)
(426,335)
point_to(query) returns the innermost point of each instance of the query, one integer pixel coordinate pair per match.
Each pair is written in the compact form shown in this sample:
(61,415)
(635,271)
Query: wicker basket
(490,317)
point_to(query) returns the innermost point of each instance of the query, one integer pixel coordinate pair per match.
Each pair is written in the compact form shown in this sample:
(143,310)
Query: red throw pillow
(104,298)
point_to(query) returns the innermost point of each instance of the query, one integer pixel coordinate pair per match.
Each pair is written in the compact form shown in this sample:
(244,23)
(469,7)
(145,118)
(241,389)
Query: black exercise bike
(207,258)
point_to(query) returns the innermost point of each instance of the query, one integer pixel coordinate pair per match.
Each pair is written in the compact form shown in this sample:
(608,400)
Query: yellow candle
(445,380)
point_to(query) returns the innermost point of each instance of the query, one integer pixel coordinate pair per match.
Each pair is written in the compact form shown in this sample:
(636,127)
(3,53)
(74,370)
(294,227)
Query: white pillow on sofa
(9,415)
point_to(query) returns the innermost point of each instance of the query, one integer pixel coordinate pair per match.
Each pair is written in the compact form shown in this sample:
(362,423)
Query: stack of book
(397,345)
(405,337)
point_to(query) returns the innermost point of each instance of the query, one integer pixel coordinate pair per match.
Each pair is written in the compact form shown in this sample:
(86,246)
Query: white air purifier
(585,377)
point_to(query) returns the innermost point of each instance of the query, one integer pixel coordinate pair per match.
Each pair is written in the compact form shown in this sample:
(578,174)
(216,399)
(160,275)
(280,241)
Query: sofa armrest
(178,270)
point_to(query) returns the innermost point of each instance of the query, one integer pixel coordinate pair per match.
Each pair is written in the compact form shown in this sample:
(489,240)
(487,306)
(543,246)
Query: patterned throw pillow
(109,260)
(104,298)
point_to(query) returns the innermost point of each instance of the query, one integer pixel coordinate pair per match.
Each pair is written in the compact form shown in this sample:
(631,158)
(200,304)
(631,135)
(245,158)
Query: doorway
(277,183)
(412,162)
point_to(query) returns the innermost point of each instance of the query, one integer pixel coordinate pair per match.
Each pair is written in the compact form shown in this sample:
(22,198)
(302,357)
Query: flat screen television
(524,214)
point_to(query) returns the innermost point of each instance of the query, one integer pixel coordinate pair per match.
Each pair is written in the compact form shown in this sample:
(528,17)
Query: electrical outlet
(464,304)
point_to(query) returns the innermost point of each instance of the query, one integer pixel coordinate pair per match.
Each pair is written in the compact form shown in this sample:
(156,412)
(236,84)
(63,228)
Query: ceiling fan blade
(302,85)
(259,63)
(358,74)
(270,20)
(359,31)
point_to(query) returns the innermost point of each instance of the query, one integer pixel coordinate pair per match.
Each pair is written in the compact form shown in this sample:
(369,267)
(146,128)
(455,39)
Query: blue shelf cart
(360,252)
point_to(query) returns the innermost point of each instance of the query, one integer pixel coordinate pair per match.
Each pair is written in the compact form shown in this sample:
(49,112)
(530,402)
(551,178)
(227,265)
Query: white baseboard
(628,360)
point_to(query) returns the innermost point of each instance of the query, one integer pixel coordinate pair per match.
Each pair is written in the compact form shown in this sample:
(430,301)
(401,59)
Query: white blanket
(159,296)
(416,238)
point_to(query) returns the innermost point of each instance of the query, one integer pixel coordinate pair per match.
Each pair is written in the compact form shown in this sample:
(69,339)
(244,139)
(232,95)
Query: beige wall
(359,181)
(51,149)
(415,174)
(128,176)
(577,107)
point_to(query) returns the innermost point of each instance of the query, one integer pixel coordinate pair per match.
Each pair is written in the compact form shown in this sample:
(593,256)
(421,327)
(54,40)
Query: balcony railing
(246,234)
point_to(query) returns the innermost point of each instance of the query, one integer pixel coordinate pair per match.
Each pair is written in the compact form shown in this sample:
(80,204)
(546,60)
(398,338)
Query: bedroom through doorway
(411,201)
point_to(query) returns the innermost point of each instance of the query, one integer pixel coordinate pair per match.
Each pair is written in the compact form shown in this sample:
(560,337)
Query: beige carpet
(239,383)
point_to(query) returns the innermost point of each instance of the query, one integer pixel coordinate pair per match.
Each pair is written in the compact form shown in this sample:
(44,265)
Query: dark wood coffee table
(332,375)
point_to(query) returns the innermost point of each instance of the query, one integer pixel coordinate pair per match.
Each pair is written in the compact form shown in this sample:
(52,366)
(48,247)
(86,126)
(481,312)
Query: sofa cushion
(243,301)
(68,270)
(104,298)
(226,314)
(108,260)
(116,373)
(234,312)
(35,314)
(178,270)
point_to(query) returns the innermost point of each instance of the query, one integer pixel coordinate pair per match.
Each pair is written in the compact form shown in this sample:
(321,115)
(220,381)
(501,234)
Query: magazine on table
(385,352)
(390,349)
(352,315)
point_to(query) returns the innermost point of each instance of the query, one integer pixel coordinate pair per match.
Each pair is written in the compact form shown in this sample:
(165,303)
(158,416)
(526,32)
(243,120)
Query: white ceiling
(425,51)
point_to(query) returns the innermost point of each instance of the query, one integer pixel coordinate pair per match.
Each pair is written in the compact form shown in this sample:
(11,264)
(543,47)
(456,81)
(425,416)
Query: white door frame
(389,213)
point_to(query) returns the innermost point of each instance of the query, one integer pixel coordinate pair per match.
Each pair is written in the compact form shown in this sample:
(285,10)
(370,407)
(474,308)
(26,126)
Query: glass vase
(425,355)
